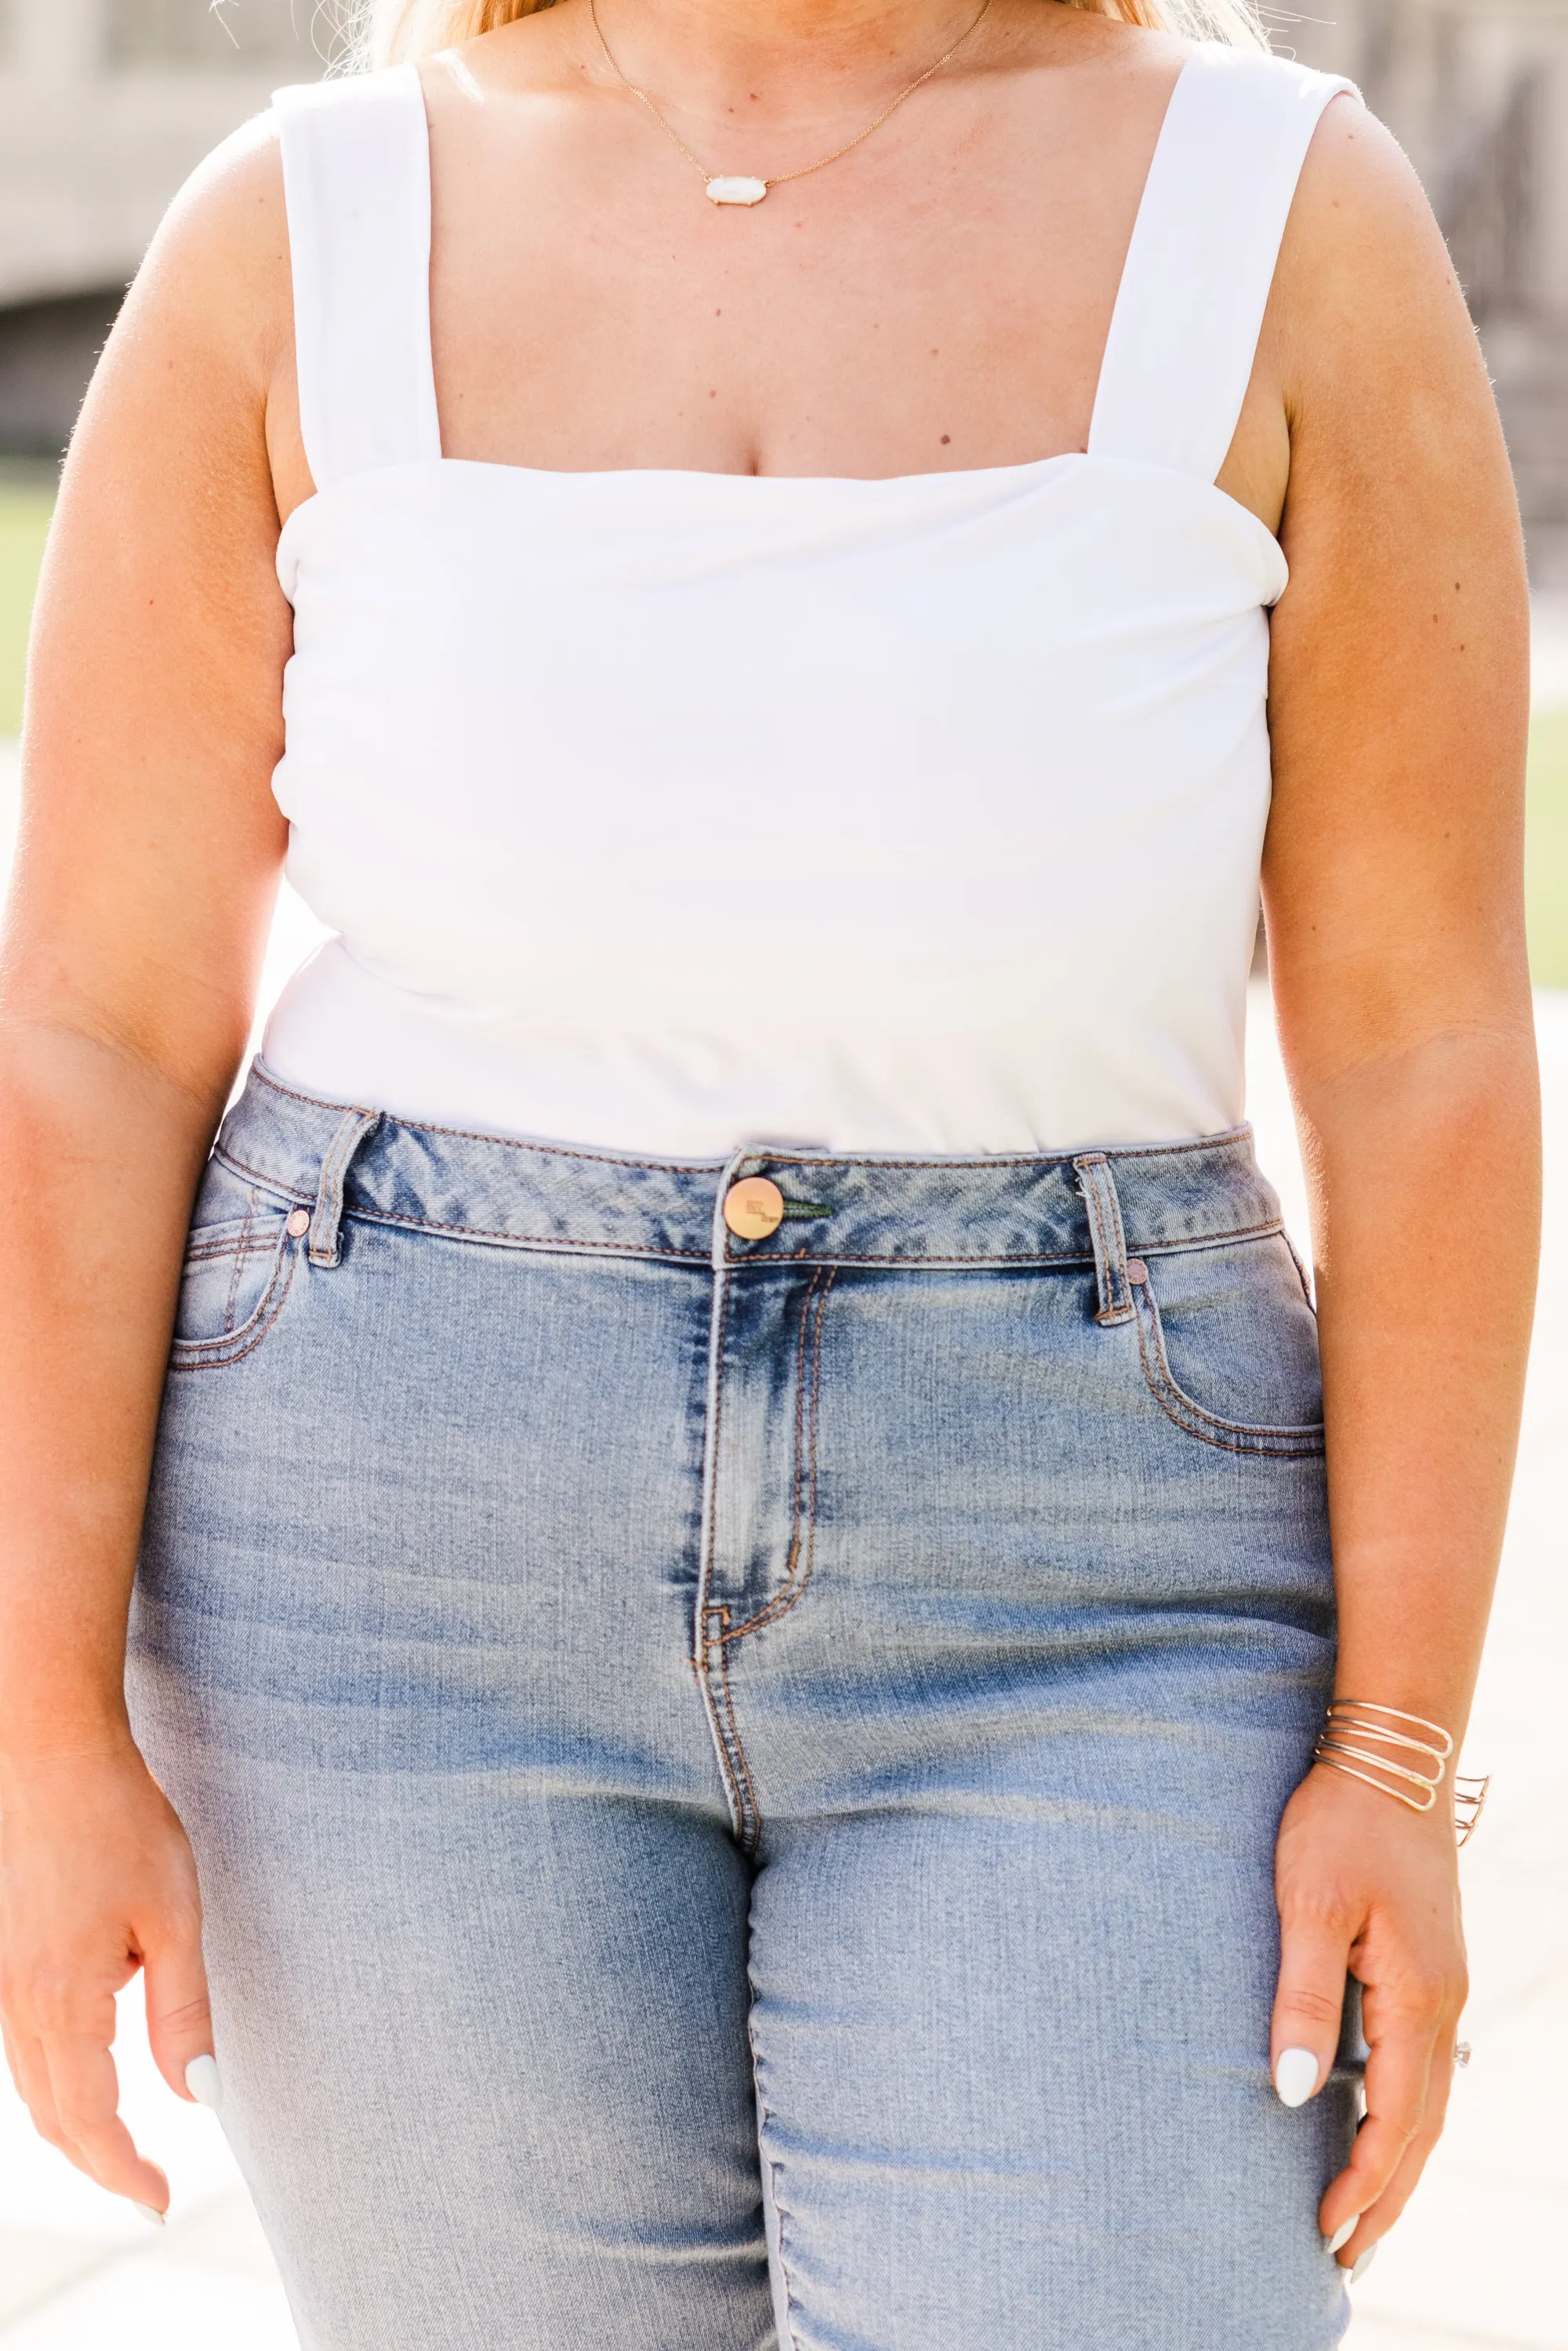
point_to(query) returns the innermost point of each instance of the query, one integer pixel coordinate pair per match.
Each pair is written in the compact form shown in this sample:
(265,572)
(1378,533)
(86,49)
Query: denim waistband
(1030,1209)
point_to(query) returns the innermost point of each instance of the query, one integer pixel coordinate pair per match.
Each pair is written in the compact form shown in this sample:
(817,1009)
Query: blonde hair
(381,32)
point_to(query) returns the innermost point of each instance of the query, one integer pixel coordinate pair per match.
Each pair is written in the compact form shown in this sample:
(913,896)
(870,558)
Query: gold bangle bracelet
(1470,1794)
(1339,1757)
(1421,1765)
(1359,1719)
(1470,1802)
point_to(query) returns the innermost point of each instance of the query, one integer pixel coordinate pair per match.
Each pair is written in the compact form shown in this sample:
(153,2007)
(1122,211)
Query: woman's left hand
(1368,1888)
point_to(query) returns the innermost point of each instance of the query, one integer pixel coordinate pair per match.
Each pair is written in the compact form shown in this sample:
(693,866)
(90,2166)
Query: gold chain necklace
(728,188)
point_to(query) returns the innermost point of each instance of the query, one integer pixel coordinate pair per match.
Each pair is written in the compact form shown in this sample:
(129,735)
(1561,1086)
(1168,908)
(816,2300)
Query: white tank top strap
(356,178)
(1190,307)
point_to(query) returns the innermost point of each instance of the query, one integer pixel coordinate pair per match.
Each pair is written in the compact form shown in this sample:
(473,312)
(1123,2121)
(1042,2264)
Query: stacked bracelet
(1469,1796)
(1357,1732)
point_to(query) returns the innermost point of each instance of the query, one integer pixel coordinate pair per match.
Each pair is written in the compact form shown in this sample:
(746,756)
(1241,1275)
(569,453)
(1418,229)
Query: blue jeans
(735,1779)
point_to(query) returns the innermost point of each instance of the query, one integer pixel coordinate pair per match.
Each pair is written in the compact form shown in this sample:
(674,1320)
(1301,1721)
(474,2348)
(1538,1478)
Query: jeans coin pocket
(1229,1346)
(239,1263)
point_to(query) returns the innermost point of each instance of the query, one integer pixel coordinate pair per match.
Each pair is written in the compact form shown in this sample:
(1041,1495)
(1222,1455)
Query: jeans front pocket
(1229,1346)
(240,1262)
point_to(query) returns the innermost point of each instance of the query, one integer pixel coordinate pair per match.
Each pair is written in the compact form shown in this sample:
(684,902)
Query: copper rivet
(299,1223)
(753,1207)
(1136,1270)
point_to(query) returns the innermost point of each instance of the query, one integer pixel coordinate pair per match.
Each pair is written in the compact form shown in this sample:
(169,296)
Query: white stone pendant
(724,191)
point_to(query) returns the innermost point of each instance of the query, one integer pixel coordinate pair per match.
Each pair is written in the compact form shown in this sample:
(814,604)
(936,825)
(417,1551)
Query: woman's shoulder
(219,263)
(1369,343)
(226,233)
(1362,257)
(210,313)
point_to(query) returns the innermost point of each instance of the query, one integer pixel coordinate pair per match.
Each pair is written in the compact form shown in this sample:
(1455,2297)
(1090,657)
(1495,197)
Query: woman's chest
(794,338)
(760,658)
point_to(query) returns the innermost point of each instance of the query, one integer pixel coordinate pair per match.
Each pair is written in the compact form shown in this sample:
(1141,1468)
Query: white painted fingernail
(1344,2233)
(205,2084)
(1364,2265)
(152,2215)
(1295,2076)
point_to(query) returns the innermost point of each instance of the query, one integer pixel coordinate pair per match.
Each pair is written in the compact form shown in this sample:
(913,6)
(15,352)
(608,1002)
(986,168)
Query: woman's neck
(779,66)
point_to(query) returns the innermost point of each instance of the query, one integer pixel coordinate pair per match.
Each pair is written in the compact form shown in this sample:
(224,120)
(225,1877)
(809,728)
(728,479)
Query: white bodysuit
(667,811)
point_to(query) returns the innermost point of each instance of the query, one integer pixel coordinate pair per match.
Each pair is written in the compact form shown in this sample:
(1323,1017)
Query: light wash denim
(735,1781)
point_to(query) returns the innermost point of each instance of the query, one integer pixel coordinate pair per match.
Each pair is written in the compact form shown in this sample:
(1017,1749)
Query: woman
(735,1586)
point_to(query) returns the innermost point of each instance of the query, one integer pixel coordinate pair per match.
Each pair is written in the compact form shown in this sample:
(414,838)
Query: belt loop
(1098,1186)
(325,1248)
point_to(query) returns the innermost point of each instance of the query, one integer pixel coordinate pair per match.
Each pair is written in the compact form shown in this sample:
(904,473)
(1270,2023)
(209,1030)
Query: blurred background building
(105,105)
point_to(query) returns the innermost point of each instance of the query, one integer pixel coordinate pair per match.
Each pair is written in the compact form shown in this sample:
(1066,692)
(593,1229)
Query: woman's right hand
(97,1878)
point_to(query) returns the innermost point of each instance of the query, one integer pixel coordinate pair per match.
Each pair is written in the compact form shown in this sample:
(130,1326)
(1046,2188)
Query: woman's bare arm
(1393,881)
(146,869)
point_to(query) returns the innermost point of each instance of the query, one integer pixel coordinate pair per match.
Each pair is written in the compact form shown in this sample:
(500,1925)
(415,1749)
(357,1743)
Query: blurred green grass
(24,509)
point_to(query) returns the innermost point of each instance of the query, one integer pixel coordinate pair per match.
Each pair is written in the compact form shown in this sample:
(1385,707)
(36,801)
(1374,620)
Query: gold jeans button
(753,1207)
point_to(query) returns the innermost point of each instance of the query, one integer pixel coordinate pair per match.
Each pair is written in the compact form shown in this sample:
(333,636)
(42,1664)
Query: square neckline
(714,472)
(1174,371)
